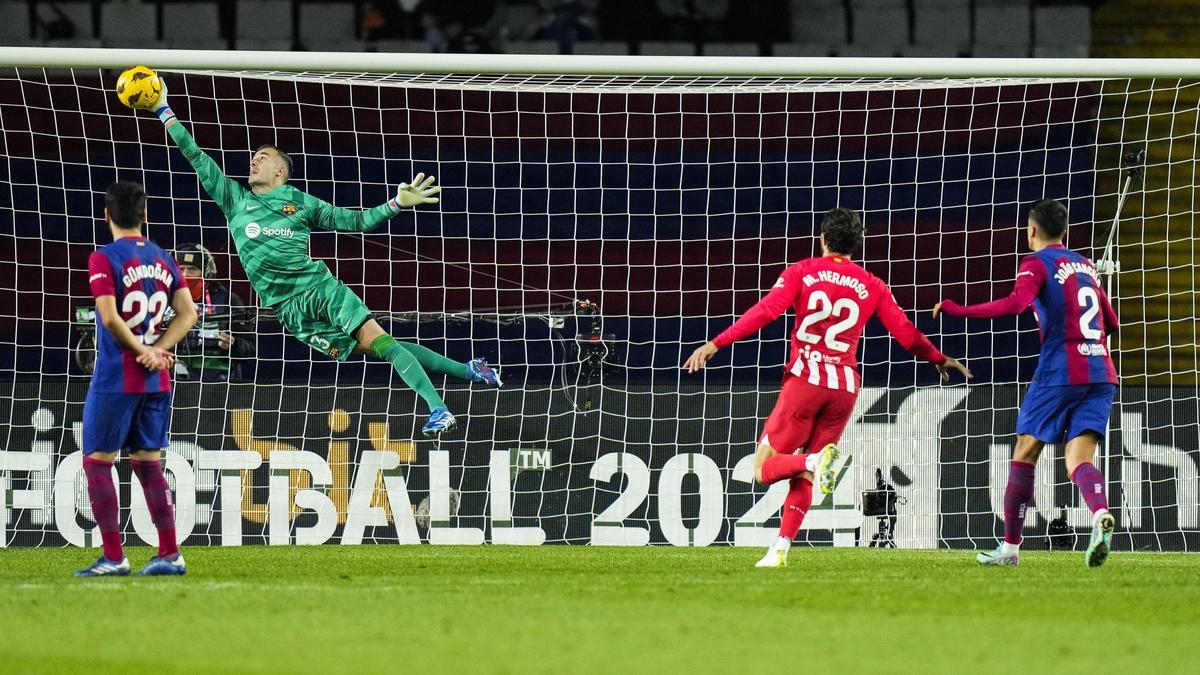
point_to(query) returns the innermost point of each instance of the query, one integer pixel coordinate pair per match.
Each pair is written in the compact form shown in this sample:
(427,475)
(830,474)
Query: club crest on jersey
(289,209)
(334,351)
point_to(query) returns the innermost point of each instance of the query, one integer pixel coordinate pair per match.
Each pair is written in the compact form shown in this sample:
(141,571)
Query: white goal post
(601,216)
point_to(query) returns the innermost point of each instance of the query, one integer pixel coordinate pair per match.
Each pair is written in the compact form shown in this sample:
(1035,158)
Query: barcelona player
(271,222)
(128,403)
(1072,392)
(833,298)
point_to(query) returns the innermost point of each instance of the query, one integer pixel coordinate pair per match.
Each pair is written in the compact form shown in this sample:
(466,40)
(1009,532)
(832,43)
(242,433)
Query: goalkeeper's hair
(126,204)
(1051,217)
(287,159)
(843,231)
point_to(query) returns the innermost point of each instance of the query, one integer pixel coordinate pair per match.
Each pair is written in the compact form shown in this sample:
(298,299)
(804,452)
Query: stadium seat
(870,49)
(531,47)
(942,27)
(1062,30)
(880,26)
(192,25)
(128,24)
(819,22)
(259,44)
(931,51)
(79,14)
(1000,50)
(264,21)
(667,48)
(16,30)
(1002,28)
(602,48)
(1062,51)
(399,46)
(799,49)
(328,24)
(329,45)
(729,49)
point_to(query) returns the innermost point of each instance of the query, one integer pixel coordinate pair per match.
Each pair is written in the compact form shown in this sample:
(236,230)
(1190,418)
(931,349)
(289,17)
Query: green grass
(557,609)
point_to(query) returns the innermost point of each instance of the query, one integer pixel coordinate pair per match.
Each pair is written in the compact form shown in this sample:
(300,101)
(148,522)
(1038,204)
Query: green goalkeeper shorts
(325,317)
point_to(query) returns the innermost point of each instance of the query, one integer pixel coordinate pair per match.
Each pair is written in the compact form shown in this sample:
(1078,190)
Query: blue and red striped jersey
(1074,316)
(142,278)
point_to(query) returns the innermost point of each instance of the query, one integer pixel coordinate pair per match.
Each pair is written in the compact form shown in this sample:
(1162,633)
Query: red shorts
(807,416)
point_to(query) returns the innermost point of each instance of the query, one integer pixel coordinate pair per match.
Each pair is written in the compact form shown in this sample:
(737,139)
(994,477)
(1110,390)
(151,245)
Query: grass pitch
(558,609)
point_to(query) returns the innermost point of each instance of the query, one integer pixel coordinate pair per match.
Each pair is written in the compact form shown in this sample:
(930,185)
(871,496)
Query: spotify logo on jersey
(253,230)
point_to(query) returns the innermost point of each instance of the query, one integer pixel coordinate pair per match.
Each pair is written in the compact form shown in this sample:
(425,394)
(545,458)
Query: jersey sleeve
(100,275)
(1031,276)
(908,335)
(775,303)
(223,190)
(330,217)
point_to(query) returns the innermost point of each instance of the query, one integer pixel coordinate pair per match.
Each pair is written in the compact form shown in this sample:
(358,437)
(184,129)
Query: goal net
(594,229)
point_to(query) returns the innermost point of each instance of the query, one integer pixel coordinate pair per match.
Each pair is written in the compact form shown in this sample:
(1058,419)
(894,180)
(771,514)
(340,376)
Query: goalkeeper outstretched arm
(226,192)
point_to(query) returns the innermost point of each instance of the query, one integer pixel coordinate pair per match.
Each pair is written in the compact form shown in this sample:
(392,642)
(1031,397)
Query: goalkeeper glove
(160,107)
(421,191)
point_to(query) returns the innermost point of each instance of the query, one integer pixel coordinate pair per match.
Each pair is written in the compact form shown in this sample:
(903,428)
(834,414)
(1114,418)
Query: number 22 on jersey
(821,308)
(137,306)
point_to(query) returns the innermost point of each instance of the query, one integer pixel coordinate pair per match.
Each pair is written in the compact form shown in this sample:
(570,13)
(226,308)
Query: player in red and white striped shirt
(833,298)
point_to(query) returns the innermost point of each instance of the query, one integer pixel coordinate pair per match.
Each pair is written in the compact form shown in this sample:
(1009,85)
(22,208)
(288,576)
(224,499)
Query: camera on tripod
(596,350)
(881,502)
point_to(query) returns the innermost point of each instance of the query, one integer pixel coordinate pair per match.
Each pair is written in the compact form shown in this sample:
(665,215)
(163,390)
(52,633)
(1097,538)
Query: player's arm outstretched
(771,307)
(421,191)
(911,338)
(224,190)
(1031,276)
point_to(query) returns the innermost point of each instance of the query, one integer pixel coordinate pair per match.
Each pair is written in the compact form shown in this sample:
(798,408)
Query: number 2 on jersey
(820,308)
(1090,302)
(141,305)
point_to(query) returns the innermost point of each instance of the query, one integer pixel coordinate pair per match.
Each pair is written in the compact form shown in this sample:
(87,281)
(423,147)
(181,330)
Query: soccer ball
(139,87)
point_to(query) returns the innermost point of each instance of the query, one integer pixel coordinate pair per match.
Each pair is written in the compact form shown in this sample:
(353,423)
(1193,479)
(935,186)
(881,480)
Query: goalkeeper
(270,224)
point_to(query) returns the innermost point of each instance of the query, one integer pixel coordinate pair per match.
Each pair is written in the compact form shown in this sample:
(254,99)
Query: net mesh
(592,231)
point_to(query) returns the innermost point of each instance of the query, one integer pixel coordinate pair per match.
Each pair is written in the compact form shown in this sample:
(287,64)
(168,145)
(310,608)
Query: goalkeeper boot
(164,567)
(1100,542)
(106,568)
(440,421)
(827,477)
(478,370)
(776,555)
(999,557)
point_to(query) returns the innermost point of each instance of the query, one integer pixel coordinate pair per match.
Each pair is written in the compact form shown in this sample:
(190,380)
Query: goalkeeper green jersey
(271,230)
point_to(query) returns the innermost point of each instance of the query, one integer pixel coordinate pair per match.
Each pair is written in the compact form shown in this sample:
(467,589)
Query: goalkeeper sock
(1090,482)
(105,507)
(795,507)
(1017,496)
(386,348)
(778,467)
(434,362)
(158,500)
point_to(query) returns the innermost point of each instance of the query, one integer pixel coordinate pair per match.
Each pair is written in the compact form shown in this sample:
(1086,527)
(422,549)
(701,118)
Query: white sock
(812,462)
(1009,549)
(782,544)
(1096,515)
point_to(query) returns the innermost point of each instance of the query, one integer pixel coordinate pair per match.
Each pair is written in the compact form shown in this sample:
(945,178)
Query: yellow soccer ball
(139,87)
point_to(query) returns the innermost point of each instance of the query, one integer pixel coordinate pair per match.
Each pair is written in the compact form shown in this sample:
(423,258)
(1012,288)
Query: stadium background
(673,213)
(666,272)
